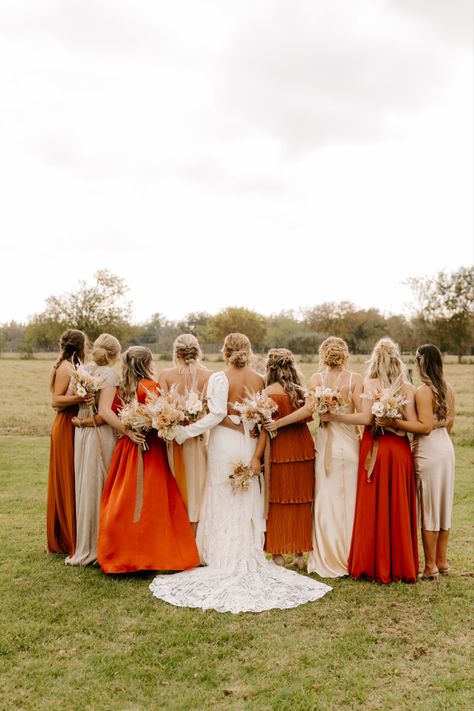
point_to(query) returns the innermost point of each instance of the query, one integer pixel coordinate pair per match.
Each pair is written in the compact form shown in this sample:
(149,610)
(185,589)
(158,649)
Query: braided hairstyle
(186,350)
(72,344)
(386,363)
(280,367)
(137,364)
(333,351)
(430,366)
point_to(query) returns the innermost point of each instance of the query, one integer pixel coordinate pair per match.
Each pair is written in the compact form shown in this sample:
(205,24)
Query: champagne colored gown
(93,449)
(337,462)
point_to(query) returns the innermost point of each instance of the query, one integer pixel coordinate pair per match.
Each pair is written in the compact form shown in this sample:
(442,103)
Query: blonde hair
(137,364)
(186,350)
(106,348)
(237,350)
(333,351)
(385,363)
(280,367)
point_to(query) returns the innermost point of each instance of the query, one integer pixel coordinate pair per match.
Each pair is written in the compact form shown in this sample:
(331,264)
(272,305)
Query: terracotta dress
(188,462)
(60,509)
(290,482)
(93,449)
(143,521)
(384,539)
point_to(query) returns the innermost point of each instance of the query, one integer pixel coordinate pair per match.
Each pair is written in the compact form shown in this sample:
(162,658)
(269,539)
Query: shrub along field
(77,639)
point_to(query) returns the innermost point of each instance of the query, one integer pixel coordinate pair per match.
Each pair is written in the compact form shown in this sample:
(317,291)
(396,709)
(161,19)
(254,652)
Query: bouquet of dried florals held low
(166,412)
(241,476)
(135,416)
(256,409)
(325,400)
(194,406)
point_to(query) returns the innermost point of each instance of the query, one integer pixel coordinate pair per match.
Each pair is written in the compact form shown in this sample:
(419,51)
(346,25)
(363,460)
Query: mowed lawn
(76,639)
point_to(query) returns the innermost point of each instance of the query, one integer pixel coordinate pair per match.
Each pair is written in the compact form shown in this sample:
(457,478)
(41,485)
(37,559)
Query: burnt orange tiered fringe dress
(61,502)
(143,520)
(384,538)
(290,486)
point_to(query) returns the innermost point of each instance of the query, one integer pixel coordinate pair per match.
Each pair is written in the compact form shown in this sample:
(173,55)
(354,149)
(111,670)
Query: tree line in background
(443,314)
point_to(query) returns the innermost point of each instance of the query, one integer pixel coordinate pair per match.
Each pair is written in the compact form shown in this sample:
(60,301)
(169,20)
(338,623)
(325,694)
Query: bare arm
(59,398)
(94,421)
(302,413)
(419,420)
(256,462)
(363,417)
(106,399)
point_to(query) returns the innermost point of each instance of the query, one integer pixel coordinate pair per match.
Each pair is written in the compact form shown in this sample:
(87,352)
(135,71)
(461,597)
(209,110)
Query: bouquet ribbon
(371,459)
(139,490)
(267,468)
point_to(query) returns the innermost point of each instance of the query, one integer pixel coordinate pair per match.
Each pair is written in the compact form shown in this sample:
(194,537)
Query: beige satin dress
(337,460)
(434,460)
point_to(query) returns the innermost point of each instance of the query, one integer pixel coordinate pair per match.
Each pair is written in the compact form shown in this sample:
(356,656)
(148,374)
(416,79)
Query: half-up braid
(280,367)
(137,364)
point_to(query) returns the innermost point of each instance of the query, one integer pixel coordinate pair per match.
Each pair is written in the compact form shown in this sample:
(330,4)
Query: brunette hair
(237,350)
(137,364)
(105,349)
(386,363)
(333,351)
(280,367)
(430,366)
(72,345)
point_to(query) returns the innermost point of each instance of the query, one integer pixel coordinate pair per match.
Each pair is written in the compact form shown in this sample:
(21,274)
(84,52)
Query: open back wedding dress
(237,577)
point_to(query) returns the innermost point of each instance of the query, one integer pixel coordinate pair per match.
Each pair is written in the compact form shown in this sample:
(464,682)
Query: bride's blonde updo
(386,363)
(137,364)
(280,367)
(333,351)
(186,350)
(237,350)
(106,349)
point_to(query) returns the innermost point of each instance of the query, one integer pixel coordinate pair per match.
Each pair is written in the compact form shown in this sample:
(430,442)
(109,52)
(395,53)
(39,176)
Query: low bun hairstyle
(237,350)
(186,350)
(106,349)
(333,351)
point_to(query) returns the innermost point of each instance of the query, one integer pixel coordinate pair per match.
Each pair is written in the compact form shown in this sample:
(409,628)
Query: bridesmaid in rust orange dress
(384,538)
(289,464)
(143,520)
(60,509)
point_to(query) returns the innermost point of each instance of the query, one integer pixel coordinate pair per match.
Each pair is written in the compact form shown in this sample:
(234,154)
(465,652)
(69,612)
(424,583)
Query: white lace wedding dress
(237,577)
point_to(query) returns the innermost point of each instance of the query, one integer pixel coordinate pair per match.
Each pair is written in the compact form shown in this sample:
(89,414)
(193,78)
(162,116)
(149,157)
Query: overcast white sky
(271,154)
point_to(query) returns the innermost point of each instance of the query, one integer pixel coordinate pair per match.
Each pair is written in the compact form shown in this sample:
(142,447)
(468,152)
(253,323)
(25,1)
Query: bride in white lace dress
(237,577)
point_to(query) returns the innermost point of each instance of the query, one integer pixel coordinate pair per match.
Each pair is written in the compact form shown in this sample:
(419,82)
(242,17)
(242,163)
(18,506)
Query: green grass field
(76,639)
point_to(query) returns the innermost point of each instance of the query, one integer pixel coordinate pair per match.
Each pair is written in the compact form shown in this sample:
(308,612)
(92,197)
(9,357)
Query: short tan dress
(434,460)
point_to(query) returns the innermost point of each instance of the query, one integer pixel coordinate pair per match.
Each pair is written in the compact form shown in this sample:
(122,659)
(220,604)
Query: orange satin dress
(61,501)
(384,538)
(291,494)
(143,521)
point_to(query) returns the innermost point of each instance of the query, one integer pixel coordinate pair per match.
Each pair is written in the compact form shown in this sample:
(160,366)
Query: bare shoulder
(315,380)
(357,378)
(408,389)
(450,391)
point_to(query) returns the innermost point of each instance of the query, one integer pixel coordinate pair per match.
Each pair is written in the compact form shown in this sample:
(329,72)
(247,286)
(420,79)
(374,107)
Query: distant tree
(402,331)
(446,304)
(94,309)
(237,319)
(12,336)
(196,323)
(330,317)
